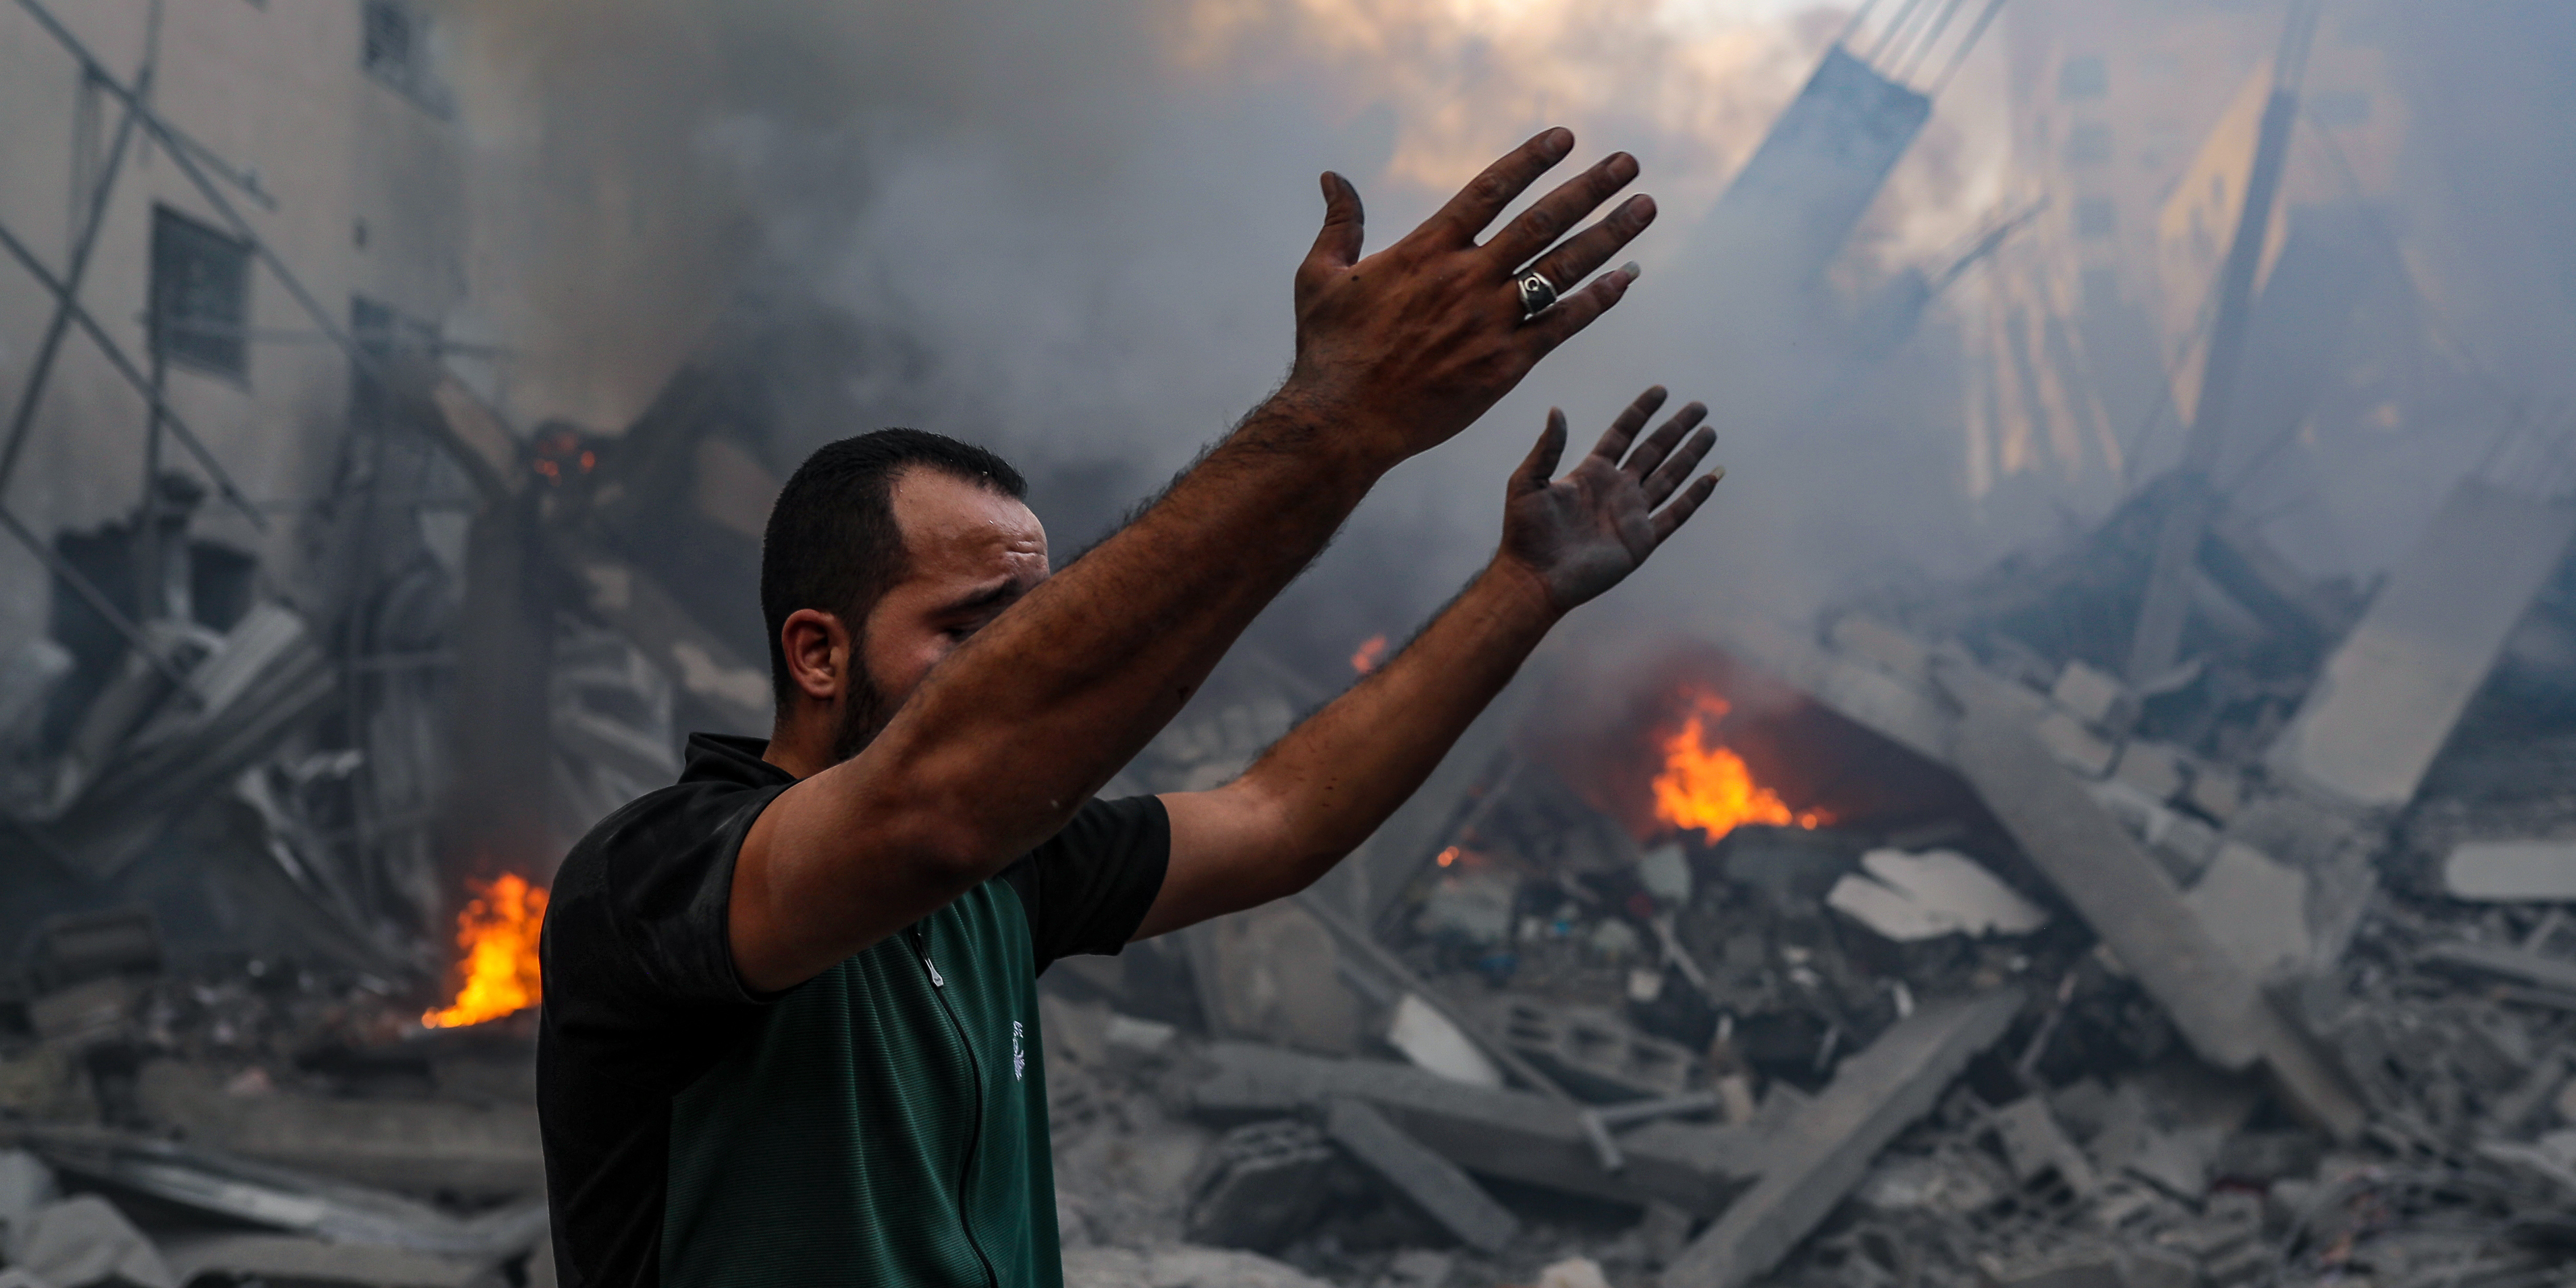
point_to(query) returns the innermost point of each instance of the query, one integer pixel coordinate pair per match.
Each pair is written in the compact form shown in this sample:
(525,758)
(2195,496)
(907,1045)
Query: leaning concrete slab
(2390,695)
(1513,1135)
(1822,1152)
(1435,1184)
(2130,901)
(2539,871)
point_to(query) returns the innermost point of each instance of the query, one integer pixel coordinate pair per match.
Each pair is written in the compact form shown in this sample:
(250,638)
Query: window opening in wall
(394,47)
(2088,145)
(2083,76)
(200,295)
(2096,217)
(383,333)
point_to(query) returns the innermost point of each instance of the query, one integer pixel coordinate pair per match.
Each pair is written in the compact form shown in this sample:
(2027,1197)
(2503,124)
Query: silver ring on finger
(1537,293)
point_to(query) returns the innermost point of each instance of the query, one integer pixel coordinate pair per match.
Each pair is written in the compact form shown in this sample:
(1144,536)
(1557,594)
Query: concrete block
(2512,871)
(2215,790)
(2097,698)
(1275,977)
(1433,1183)
(2391,693)
(292,1259)
(2129,900)
(1514,1135)
(414,1147)
(84,1240)
(2154,768)
(84,1011)
(2256,910)
(2058,1268)
(1826,1148)
(1593,1053)
(2076,744)
(2036,1148)
(1263,1182)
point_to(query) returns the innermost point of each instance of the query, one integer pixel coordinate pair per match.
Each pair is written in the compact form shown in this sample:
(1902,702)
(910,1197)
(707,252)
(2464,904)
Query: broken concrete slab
(2097,698)
(1821,1153)
(1180,1266)
(417,1147)
(289,1259)
(2130,901)
(1594,1053)
(2036,1147)
(258,1194)
(1513,1135)
(2519,964)
(1261,1184)
(2077,745)
(2256,910)
(1271,974)
(1430,1041)
(84,1240)
(1433,1183)
(1910,897)
(2535,871)
(2390,695)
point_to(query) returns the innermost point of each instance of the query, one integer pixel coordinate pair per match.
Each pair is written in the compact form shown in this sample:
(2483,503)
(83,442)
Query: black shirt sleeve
(1089,886)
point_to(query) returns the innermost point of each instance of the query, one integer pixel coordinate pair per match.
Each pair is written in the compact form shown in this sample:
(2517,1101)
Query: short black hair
(832,542)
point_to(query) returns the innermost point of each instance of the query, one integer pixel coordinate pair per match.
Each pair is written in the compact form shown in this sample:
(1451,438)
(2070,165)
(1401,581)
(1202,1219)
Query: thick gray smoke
(1071,227)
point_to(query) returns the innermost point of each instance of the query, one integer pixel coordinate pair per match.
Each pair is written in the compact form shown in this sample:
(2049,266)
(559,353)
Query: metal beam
(59,324)
(134,375)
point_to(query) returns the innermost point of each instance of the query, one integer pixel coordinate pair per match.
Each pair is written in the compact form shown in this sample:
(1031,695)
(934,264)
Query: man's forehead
(943,517)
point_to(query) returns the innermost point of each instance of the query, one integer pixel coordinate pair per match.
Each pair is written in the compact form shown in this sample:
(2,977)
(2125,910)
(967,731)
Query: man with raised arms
(790,1026)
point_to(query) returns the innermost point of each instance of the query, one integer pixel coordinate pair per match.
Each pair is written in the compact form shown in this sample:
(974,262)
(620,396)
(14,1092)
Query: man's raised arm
(1321,790)
(1396,353)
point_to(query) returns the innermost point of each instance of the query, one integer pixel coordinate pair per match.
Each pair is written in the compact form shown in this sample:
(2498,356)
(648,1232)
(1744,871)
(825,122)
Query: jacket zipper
(975,1140)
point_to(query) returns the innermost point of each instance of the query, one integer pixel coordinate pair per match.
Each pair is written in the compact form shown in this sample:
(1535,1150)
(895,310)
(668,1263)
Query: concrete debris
(1263,1183)
(287,1259)
(1178,1266)
(2512,871)
(1909,897)
(1816,1157)
(84,1240)
(1430,1041)
(2390,696)
(1431,1182)
(1573,1272)
(1593,1052)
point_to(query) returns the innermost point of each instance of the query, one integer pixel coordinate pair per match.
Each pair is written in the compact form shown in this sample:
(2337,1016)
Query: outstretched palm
(1582,533)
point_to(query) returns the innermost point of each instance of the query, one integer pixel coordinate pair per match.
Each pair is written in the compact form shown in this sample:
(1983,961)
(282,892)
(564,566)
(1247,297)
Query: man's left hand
(1579,535)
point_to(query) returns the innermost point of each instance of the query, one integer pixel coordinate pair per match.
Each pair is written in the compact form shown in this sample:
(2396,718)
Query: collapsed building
(2141,912)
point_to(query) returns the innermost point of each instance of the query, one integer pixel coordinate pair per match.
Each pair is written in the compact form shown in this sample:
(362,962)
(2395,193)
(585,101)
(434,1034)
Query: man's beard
(864,712)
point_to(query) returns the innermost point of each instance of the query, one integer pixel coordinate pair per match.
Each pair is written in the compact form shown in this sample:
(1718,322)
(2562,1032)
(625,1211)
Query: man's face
(970,552)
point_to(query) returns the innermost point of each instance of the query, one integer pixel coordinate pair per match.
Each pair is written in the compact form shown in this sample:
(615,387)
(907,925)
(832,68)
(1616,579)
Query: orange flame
(1705,786)
(498,931)
(1371,653)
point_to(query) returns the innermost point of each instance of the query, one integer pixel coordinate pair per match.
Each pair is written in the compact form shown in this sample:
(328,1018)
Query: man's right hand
(1405,348)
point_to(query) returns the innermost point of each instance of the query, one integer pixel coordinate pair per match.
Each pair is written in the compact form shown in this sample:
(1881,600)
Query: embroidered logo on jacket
(1019,1057)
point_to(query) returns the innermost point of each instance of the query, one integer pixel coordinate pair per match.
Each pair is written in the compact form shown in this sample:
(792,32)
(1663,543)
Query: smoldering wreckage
(2139,914)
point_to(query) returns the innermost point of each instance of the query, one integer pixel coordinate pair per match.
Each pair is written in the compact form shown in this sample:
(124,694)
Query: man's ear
(818,653)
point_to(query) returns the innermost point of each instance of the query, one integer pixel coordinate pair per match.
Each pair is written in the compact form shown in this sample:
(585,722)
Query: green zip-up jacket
(883,1123)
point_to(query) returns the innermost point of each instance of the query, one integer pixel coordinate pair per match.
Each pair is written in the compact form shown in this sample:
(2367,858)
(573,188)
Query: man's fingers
(1669,476)
(1538,227)
(1679,512)
(1590,249)
(1338,245)
(1540,466)
(1660,444)
(1485,196)
(1576,311)
(1623,430)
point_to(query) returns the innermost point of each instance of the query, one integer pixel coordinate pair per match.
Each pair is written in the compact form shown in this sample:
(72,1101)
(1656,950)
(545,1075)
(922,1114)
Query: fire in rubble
(498,973)
(1705,787)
